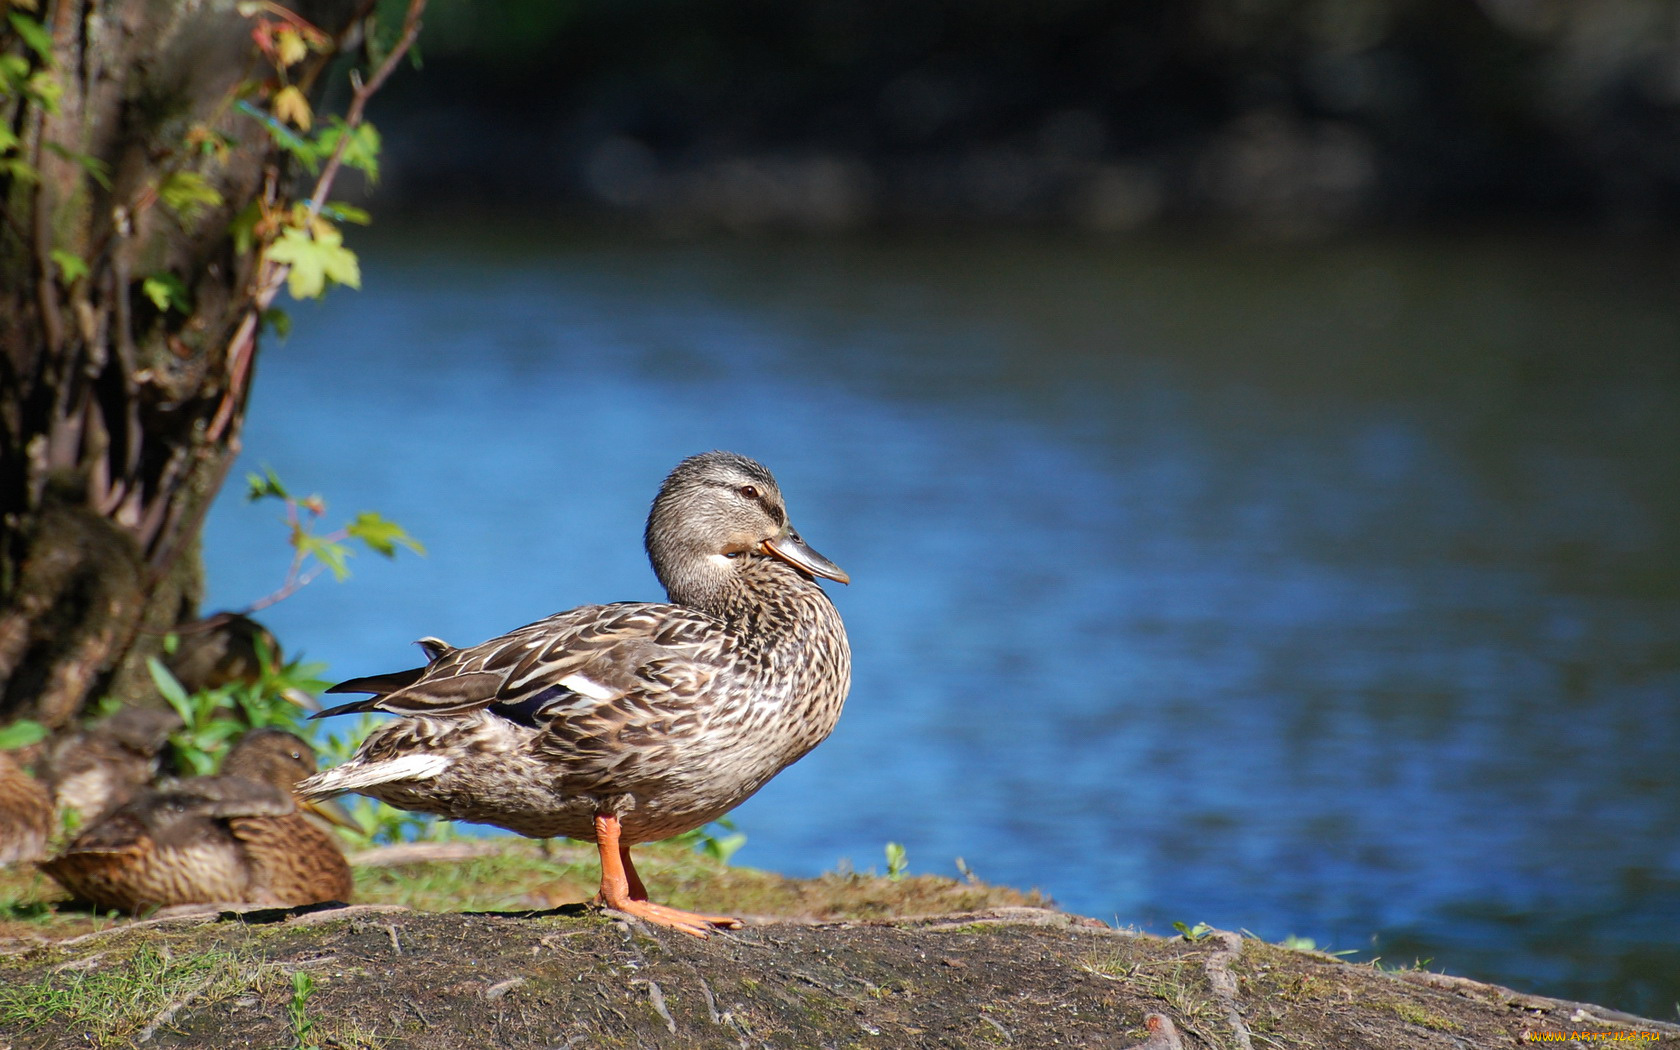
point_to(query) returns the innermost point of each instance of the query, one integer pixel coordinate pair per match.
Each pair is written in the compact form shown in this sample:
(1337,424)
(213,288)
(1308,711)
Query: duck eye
(749,492)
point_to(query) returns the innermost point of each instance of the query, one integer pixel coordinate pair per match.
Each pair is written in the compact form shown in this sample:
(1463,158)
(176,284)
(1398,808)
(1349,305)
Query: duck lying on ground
(26,814)
(92,771)
(239,836)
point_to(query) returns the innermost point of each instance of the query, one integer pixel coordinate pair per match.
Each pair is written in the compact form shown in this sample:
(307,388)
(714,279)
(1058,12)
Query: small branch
(656,996)
(1218,969)
(174,1008)
(359,99)
(269,285)
(1162,1034)
(290,587)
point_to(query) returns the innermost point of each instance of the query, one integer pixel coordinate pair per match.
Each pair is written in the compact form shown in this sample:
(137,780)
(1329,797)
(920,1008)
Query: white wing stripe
(577,682)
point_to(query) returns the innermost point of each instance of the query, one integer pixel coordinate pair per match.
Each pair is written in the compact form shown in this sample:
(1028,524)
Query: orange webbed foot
(688,922)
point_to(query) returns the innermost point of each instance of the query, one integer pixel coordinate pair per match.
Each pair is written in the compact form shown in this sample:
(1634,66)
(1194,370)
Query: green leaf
(260,486)
(278,320)
(343,212)
(96,169)
(243,227)
(187,194)
(304,150)
(896,860)
(44,88)
(70,265)
(362,152)
(332,555)
(34,34)
(21,734)
(315,260)
(166,292)
(171,688)
(14,70)
(381,534)
(20,170)
(721,848)
(8,138)
(1193,933)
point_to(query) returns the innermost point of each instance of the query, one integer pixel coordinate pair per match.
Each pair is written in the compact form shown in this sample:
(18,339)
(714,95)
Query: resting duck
(221,649)
(630,722)
(235,837)
(93,771)
(25,814)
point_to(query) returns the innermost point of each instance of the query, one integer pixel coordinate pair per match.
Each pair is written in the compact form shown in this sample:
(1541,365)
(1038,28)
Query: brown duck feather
(26,814)
(663,715)
(235,837)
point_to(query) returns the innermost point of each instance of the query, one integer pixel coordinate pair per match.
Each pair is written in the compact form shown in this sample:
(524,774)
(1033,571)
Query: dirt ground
(384,975)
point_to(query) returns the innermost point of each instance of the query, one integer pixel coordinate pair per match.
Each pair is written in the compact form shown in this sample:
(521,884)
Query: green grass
(518,878)
(109,1004)
(1412,1013)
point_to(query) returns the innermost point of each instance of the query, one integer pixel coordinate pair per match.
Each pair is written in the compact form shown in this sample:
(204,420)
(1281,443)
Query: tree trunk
(119,416)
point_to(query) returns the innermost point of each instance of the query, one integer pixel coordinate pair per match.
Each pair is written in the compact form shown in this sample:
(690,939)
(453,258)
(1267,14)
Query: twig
(1162,1034)
(268,284)
(174,1008)
(711,1000)
(359,98)
(1218,969)
(501,988)
(656,996)
(1008,1037)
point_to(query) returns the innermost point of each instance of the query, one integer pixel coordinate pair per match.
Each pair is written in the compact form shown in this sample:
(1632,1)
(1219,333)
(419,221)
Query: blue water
(1330,591)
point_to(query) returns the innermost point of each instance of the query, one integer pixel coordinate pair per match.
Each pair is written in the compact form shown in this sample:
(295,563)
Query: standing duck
(236,836)
(625,723)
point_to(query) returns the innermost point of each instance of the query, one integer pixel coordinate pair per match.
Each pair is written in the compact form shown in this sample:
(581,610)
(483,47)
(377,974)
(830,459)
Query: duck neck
(753,593)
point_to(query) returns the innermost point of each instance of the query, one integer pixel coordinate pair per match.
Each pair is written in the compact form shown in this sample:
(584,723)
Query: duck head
(714,513)
(281,759)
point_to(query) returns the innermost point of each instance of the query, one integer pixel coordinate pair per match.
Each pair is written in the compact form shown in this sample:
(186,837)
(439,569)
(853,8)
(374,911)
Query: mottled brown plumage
(635,721)
(222,648)
(93,771)
(26,814)
(238,836)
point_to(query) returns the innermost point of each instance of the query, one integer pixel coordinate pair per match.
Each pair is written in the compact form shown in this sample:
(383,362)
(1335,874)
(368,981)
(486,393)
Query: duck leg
(638,892)
(622,889)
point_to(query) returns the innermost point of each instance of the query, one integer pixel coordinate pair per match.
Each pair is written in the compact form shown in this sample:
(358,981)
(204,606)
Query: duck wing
(571,663)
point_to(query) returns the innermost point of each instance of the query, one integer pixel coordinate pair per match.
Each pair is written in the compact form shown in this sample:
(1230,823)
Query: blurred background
(1251,427)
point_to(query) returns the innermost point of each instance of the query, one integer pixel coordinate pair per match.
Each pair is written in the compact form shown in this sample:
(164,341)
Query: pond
(1319,590)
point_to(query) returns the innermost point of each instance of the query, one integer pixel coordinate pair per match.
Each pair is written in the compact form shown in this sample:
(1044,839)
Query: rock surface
(380,975)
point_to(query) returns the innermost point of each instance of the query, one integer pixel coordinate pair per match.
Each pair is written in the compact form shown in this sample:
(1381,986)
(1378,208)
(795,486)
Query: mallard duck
(625,723)
(237,836)
(26,814)
(95,770)
(219,649)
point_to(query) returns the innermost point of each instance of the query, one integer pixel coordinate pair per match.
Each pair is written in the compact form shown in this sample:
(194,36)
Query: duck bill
(791,549)
(330,811)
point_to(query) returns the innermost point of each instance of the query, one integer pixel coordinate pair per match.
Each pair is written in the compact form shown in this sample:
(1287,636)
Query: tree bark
(119,418)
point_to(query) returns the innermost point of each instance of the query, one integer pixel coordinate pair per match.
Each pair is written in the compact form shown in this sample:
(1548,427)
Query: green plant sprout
(297,1012)
(1193,933)
(709,843)
(21,733)
(278,698)
(897,861)
(313,553)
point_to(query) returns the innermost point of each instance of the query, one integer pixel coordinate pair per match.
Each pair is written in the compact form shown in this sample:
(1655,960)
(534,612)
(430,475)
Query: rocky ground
(842,961)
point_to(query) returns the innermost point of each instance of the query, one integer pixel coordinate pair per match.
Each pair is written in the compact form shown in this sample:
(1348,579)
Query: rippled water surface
(1330,591)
